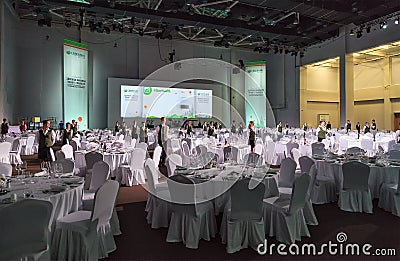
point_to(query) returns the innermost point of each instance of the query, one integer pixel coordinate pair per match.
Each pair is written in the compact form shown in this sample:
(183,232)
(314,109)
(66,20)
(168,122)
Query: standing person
(4,127)
(74,126)
(123,128)
(252,136)
(205,127)
(321,131)
(329,125)
(162,135)
(233,127)
(211,129)
(135,130)
(22,126)
(374,129)
(68,133)
(45,137)
(287,125)
(279,127)
(366,127)
(348,126)
(240,130)
(143,136)
(189,128)
(116,127)
(305,127)
(358,127)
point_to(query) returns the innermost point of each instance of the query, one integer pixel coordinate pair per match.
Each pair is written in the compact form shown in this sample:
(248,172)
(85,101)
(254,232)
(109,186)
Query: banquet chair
(253,159)
(284,217)
(188,142)
(394,154)
(67,164)
(20,238)
(235,154)
(100,173)
(87,235)
(295,153)
(171,162)
(305,164)
(6,169)
(368,146)
(308,209)
(15,152)
(354,150)
(60,155)
(270,157)
(91,158)
(133,142)
(68,151)
(74,145)
(289,146)
(185,153)
(355,195)
(242,222)
(390,144)
(190,220)
(317,148)
(157,206)
(117,144)
(227,153)
(142,145)
(201,149)
(134,175)
(389,197)
(176,146)
(396,146)
(27,149)
(287,171)
(5,148)
(258,149)
(157,155)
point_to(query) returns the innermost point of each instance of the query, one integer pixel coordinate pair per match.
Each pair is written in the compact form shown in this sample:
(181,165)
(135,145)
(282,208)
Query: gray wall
(9,86)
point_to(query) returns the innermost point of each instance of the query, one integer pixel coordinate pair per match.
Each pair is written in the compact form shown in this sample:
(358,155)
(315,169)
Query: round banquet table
(377,175)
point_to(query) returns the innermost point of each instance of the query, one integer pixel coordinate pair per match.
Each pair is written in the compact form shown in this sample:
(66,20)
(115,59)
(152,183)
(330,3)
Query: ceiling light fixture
(351,32)
(397,20)
(383,25)
(359,34)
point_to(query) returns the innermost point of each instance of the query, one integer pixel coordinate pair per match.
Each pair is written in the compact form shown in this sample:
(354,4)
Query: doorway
(396,125)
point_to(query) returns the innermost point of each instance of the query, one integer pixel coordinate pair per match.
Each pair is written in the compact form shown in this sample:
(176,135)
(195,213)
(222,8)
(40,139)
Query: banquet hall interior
(199,129)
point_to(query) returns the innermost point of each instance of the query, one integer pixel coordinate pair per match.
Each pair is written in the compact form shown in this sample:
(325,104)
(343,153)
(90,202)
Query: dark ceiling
(264,24)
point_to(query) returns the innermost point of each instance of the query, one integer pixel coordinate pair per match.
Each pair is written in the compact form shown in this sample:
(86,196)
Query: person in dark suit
(252,136)
(348,126)
(211,130)
(189,128)
(45,137)
(328,125)
(162,136)
(4,127)
(68,133)
(358,127)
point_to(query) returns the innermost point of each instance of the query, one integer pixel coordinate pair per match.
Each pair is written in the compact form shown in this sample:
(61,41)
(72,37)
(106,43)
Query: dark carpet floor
(139,241)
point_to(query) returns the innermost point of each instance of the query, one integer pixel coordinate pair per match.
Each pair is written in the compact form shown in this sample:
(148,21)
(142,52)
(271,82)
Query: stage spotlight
(107,29)
(41,21)
(359,34)
(383,25)
(227,45)
(115,45)
(351,32)
(241,63)
(276,50)
(141,33)
(92,26)
(301,54)
(286,51)
(368,29)
(121,27)
(132,20)
(281,50)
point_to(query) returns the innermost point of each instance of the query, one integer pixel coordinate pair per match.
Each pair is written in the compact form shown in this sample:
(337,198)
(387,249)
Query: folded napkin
(41,174)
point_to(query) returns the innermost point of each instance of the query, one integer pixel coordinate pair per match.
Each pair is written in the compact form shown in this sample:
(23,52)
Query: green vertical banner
(75,83)
(255,93)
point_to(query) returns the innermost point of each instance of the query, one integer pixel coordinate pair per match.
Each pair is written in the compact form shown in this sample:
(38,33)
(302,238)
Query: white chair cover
(5,148)
(74,145)
(284,218)
(190,221)
(305,164)
(15,153)
(243,223)
(157,155)
(289,146)
(158,214)
(67,165)
(22,238)
(91,158)
(286,175)
(296,155)
(60,155)
(355,195)
(389,197)
(252,159)
(134,175)
(100,173)
(68,151)
(172,161)
(354,150)
(87,235)
(142,145)
(27,149)
(6,169)
(258,149)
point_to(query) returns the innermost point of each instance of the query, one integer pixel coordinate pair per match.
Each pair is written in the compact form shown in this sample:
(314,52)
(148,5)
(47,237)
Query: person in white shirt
(162,136)
(46,138)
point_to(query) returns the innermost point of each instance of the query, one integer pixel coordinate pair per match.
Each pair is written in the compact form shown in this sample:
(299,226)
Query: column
(349,90)
(387,123)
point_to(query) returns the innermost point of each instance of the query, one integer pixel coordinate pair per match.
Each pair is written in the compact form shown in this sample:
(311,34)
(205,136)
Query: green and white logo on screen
(147,90)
